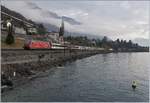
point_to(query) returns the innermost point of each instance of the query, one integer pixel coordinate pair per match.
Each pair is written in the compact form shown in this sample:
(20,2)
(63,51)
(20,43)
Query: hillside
(15,14)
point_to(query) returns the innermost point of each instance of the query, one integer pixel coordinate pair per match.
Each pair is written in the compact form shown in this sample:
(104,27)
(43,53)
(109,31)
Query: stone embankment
(19,65)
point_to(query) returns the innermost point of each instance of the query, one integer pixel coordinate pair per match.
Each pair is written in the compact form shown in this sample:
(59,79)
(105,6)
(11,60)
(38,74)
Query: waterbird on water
(134,84)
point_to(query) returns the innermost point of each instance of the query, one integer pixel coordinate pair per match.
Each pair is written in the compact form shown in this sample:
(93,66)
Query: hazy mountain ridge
(12,13)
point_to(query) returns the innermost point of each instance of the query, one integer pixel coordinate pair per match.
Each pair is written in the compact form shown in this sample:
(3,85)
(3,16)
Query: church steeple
(61,31)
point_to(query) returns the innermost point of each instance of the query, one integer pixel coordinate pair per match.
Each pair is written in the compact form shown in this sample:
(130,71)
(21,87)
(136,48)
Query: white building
(19,30)
(54,36)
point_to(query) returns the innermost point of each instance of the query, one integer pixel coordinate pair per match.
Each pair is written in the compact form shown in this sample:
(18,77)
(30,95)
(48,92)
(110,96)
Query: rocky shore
(20,66)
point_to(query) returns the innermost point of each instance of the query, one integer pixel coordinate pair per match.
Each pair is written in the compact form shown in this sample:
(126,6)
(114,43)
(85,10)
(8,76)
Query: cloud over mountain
(34,12)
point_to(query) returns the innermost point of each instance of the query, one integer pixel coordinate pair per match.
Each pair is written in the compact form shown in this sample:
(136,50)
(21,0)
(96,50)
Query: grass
(19,43)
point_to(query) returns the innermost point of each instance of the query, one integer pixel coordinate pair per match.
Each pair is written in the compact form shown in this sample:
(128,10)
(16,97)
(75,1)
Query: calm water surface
(103,77)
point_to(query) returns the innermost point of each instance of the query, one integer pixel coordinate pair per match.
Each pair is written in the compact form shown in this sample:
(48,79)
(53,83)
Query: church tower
(61,32)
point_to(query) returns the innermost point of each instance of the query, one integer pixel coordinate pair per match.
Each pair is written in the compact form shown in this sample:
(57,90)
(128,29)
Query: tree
(41,29)
(118,41)
(104,40)
(105,43)
(98,42)
(130,44)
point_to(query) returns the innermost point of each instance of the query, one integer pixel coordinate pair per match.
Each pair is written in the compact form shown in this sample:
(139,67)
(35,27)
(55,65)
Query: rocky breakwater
(19,66)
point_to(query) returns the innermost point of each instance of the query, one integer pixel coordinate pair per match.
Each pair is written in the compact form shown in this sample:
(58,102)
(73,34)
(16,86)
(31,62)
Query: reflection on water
(104,77)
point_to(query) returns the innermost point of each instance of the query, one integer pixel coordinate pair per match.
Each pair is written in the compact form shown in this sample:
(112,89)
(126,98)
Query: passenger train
(43,43)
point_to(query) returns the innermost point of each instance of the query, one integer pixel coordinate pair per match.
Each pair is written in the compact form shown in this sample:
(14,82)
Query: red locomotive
(37,43)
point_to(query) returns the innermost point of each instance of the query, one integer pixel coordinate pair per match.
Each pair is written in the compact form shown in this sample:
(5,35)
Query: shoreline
(35,67)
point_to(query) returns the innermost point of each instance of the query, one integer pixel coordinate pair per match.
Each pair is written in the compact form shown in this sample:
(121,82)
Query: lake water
(99,78)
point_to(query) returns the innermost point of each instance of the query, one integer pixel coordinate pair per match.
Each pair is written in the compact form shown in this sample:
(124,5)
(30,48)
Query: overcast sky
(115,19)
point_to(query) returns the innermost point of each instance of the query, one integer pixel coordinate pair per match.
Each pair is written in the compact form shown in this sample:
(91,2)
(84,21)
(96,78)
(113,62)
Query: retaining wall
(23,61)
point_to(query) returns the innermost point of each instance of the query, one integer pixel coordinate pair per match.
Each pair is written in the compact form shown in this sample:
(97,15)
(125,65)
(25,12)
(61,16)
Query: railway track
(41,50)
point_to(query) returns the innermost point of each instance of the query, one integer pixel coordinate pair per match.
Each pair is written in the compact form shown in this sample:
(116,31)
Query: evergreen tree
(104,40)
(41,29)
(118,41)
(129,44)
